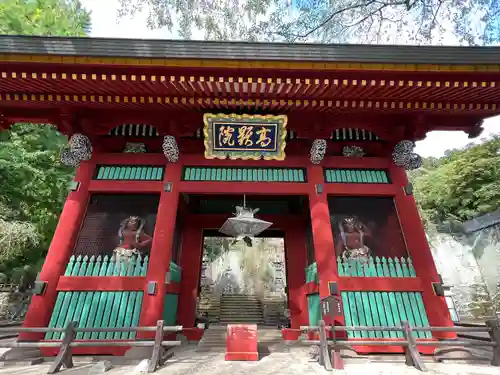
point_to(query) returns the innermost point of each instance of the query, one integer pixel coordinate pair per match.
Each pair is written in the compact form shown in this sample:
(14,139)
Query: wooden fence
(65,358)
(376,267)
(330,357)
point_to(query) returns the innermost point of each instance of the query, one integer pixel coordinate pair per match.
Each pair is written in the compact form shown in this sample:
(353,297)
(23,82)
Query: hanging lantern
(170,149)
(318,151)
(244,225)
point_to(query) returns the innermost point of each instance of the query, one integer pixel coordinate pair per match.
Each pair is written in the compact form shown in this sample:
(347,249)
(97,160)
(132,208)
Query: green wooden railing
(384,309)
(106,309)
(99,309)
(376,267)
(373,267)
(106,266)
(136,265)
(356,176)
(96,310)
(369,308)
(244,174)
(128,172)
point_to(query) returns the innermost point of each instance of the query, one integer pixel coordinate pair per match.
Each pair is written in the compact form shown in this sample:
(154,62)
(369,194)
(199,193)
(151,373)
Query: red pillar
(324,246)
(161,248)
(61,247)
(418,248)
(296,262)
(192,251)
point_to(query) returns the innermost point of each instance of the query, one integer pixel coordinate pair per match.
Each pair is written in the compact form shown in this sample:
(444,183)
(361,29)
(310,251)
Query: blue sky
(104,24)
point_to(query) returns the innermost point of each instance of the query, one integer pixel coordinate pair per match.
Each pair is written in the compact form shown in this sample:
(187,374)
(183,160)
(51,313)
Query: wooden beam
(124,187)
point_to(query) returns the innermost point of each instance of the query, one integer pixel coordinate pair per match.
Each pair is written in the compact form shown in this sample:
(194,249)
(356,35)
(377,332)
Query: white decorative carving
(170,149)
(403,155)
(135,148)
(318,151)
(79,148)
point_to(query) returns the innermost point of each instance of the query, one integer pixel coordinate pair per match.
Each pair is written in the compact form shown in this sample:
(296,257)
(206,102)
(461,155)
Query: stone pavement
(298,362)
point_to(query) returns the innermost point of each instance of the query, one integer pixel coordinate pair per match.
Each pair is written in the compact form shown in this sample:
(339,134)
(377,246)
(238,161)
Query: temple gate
(167,142)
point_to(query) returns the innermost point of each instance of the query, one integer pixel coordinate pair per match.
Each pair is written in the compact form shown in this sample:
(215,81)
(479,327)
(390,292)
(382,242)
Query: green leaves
(43,17)
(32,181)
(462,185)
(34,187)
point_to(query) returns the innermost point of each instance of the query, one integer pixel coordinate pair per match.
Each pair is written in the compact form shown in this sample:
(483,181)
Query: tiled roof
(176,49)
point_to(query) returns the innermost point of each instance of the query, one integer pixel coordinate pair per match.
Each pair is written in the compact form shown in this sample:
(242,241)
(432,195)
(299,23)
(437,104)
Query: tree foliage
(463,184)
(34,186)
(364,21)
(43,17)
(33,182)
(214,247)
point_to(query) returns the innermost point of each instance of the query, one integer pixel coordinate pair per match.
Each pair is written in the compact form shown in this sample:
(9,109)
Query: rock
(142,367)
(21,354)
(100,367)
(314,352)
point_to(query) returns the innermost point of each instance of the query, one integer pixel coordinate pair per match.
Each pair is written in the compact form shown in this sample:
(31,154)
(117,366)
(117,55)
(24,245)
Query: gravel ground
(298,362)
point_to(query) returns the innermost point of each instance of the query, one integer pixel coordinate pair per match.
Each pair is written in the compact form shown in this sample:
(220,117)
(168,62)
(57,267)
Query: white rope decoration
(170,149)
(318,151)
(353,151)
(79,149)
(403,156)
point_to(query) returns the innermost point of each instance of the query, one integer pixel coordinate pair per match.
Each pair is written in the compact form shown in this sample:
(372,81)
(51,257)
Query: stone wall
(11,302)
(469,261)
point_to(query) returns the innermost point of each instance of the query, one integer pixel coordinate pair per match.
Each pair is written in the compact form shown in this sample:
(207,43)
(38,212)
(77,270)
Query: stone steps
(240,308)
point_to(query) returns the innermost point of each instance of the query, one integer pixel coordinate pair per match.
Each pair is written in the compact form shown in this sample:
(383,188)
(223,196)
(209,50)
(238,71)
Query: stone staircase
(213,340)
(272,306)
(240,308)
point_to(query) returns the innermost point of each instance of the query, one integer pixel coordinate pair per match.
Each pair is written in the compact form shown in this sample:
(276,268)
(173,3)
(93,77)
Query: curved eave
(338,92)
(457,84)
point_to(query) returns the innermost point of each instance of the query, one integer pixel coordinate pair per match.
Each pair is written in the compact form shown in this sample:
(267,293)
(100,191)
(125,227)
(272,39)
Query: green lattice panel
(244,174)
(108,266)
(313,306)
(170,309)
(376,267)
(357,176)
(96,310)
(312,273)
(129,173)
(384,309)
(175,272)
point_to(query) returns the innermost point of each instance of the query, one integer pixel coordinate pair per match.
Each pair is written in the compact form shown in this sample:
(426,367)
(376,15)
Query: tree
(366,21)
(460,186)
(34,184)
(44,17)
(214,247)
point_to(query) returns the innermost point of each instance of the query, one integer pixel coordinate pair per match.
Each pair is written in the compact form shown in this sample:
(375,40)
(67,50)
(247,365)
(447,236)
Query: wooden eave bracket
(476,130)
